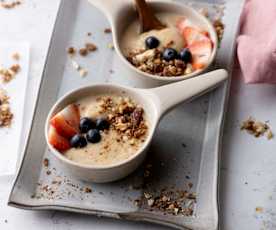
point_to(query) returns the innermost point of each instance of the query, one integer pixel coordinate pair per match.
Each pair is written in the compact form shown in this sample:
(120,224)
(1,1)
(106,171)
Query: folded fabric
(256,44)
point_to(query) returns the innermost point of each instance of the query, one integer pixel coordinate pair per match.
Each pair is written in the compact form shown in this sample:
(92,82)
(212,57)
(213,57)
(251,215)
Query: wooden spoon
(148,21)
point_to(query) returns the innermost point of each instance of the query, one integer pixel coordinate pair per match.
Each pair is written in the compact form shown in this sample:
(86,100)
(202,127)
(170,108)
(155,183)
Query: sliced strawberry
(192,34)
(201,52)
(66,122)
(181,24)
(57,141)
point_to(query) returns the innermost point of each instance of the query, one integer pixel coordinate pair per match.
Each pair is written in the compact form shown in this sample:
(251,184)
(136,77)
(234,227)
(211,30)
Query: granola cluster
(219,27)
(257,128)
(150,61)
(10,5)
(7,74)
(5,112)
(125,117)
(171,202)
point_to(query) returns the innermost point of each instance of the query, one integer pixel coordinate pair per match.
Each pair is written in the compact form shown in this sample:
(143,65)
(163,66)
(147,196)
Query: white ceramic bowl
(155,106)
(121,13)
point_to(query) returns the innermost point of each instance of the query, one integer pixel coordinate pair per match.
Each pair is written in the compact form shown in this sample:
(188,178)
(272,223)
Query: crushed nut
(5,114)
(16,56)
(46,162)
(83,52)
(256,128)
(87,190)
(10,5)
(107,30)
(83,72)
(71,50)
(90,47)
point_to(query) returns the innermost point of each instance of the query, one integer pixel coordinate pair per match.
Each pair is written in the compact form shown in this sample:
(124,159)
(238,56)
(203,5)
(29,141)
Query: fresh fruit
(66,122)
(169,54)
(78,141)
(201,52)
(86,124)
(102,124)
(93,136)
(57,141)
(185,55)
(192,34)
(151,42)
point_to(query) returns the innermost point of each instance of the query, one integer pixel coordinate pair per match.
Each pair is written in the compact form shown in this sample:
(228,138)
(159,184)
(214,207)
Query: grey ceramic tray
(184,152)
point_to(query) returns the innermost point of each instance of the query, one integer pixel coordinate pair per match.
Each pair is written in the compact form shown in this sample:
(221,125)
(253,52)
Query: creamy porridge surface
(121,140)
(133,40)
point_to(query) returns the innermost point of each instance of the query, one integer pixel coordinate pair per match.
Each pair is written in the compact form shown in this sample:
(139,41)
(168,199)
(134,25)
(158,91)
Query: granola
(6,115)
(257,128)
(7,74)
(10,5)
(150,61)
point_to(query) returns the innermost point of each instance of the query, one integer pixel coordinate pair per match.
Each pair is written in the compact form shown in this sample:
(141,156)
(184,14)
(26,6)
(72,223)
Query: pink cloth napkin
(256,44)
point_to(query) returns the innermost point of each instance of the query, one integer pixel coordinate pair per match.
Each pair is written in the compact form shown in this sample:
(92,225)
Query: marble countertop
(248,178)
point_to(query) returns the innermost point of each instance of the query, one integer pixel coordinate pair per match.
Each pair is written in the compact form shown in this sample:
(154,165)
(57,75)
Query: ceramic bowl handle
(110,8)
(168,96)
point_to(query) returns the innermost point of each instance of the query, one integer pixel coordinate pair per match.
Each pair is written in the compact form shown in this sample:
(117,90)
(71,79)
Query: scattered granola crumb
(7,74)
(83,52)
(46,162)
(83,72)
(269,134)
(107,30)
(71,50)
(90,47)
(6,115)
(10,5)
(87,190)
(257,128)
(6,221)
(259,209)
(89,34)
(15,68)
(219,27)
(16,56)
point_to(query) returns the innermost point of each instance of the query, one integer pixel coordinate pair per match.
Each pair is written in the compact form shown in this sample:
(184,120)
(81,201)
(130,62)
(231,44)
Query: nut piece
(16,56)
(6,115)
(83,51)
(257,128)
(71,50)
(90,47)
(107,30)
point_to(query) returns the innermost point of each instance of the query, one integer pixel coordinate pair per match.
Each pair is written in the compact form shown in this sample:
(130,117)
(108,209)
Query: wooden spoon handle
(148,20)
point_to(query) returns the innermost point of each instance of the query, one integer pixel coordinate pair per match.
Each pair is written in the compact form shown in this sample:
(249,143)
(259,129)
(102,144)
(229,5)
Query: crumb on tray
(257,128)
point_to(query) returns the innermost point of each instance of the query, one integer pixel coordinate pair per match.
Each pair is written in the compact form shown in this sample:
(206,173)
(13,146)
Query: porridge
(99,130)
(179,49)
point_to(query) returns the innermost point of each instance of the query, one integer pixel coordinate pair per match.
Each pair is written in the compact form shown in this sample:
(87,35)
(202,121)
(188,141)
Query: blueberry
(86,124)
(151,42)
(169,54)
(186,55)
(93,136)
(102,124)
(78,141)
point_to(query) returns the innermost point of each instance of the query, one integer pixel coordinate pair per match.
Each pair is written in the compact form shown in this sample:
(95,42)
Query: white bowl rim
(61,157)
(182,77)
